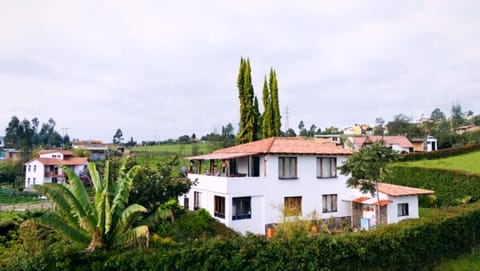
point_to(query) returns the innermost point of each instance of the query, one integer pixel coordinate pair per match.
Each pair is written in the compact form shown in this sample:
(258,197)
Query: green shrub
(443,153)
(451,187)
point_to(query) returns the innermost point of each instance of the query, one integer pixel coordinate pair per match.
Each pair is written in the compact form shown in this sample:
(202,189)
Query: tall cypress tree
(248,116)
(276,118)
(267,111)
(241,95)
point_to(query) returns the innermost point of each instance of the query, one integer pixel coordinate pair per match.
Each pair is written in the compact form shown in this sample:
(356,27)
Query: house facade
(251,186)
(396,143)
(426,144)
(47,167)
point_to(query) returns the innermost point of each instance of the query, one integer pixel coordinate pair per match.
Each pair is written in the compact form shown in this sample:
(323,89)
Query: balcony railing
(54,175)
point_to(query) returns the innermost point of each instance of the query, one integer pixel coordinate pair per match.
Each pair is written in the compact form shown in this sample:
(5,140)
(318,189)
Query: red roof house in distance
(397,143)
(46,168)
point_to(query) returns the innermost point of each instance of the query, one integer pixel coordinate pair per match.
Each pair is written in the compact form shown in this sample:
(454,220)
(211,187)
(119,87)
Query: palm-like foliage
(106,221)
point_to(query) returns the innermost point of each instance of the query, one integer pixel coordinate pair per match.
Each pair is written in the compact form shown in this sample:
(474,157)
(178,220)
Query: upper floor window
(329,203)
(292,206)
(326,167)
(34,168)
(241,208)
(29,168)
(287,167)
(219,208)
(403,209)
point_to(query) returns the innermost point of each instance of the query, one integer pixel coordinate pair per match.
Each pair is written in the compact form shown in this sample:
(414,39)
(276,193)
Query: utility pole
(286,119)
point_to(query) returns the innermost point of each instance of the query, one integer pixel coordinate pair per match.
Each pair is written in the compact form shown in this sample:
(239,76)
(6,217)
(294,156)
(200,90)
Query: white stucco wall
(268,193)
(412,202)
(34,173)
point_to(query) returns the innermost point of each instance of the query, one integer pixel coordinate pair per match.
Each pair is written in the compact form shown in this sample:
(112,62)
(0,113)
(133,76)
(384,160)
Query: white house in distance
(396,143)
(46,168)
(247,186)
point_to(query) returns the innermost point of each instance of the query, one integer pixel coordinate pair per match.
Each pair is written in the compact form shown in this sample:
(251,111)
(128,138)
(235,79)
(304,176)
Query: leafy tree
(437,115)
(118,137)
(185,139)
(401,125)
(368,166)
(291,133)
(458,117)
(301,129)
(107,222)
(152,188)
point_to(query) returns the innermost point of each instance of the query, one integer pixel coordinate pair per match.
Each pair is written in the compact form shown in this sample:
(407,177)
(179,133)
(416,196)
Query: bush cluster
(452,187)
(411,245)
(443,153)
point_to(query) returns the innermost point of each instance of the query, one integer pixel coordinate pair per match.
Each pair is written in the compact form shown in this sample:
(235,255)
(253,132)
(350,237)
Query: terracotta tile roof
(289,145)
(401,141)
(64,152)
(398,190)
(371,201)
(278,145)
(74,161)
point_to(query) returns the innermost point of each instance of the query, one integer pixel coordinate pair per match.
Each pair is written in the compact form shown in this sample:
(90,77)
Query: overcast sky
(162,69)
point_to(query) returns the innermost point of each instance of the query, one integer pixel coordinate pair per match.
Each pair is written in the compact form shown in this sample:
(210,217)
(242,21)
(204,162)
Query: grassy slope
(467,162)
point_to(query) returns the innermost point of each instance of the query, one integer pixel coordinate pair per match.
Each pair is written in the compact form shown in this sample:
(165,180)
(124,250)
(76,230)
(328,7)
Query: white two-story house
(247,187)
(46,168)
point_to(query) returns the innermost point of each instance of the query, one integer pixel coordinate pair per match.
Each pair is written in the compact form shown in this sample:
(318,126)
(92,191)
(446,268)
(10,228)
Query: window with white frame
(326,167)
(34,168)
(329,203)
(219,208)
(287,167)
(403,209)
(241,208)
(29,168)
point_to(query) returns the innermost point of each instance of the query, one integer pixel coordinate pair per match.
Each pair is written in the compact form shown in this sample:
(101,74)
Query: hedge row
(411,245)
(443,153)
(451,187)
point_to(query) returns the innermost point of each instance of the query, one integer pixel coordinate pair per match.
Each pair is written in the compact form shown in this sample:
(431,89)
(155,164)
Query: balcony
(230,185)
(52,174)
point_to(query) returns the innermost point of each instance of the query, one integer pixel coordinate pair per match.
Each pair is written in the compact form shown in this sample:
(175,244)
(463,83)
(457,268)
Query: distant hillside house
(10,154)
(46,168)
(426,144)
(247,186)
(467,128)
(396,143)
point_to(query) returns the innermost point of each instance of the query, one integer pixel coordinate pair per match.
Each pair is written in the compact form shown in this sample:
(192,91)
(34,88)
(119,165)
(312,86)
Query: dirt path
(26,206)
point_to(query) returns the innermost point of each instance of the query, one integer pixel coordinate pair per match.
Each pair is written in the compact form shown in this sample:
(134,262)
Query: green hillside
(466,162)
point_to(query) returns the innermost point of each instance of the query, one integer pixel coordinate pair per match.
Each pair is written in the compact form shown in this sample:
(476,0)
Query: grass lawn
(465,262)
(467,162)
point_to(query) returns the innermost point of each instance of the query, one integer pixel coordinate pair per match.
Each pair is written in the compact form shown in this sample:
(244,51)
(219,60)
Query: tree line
(25,135)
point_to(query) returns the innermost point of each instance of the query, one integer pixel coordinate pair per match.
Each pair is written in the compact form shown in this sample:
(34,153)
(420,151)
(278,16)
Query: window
(34,168)
(326,167)
(241,208)
(329,203)
(185,202)
(34,180)
(403,209)
(287,167)
(28,180)
(196,200)
(293,206)
(219,210)
(29,167)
